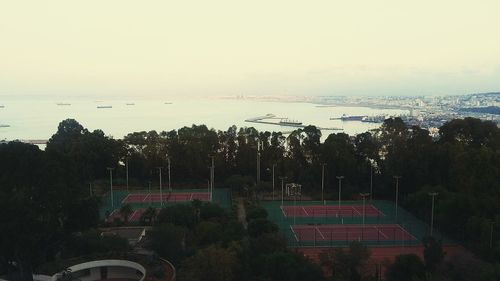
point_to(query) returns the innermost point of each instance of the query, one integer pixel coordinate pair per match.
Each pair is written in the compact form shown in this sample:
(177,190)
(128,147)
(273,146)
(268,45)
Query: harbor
(284,122)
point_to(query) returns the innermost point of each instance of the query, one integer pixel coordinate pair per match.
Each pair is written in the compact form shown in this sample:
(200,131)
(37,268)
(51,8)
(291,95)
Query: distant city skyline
(221,47)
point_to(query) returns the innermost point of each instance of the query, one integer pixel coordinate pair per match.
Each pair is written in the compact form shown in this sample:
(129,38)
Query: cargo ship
(288,122)
(104,106)
(350,118)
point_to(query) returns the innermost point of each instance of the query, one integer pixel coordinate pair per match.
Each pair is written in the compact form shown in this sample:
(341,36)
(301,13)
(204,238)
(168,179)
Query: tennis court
(167,197)
(354,232)
(355,210)
(135,216)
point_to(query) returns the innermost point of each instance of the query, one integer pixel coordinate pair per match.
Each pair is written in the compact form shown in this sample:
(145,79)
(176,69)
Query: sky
(257,47)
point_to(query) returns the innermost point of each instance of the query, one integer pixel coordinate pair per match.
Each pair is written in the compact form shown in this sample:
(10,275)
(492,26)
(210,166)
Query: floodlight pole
(274,165)
(126,170)
(364,195)
(161,188)
(371,181)
(168,165)
(397,195)
(212,177)
(258,160)
(294,203)
(323,182)
(111,185)
(433,195)
(340,189)
(282,185)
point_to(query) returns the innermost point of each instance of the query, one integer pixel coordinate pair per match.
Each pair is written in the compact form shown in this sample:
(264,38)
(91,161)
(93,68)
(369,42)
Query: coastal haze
(226,47)
(38,119)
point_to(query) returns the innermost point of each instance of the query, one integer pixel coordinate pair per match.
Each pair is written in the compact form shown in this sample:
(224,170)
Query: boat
(374,119)
(351,117)
(4,126)
(2,106)
(130,103)
(104,106)
(167,102)
(288,122)
(62,104)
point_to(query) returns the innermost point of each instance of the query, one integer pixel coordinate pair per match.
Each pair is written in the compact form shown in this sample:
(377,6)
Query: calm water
(36,118)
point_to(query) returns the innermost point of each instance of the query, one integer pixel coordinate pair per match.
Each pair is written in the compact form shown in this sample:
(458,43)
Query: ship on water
(4,126)
(288,122)
(63,104)
(104,106)
(350,117)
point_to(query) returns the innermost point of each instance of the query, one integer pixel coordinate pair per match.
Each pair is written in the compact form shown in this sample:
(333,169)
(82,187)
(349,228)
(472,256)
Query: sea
(37,118)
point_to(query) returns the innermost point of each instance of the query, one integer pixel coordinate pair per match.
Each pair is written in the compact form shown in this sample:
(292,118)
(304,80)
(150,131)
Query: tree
(169,241)
(36,193)
(347,264)
(258,227)
(406,267)
(286,266)
(125,212)
(179,214)
(433,253)
(256,212)
(211,264)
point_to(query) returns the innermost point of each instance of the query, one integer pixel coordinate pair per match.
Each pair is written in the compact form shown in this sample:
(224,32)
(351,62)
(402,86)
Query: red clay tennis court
(167,197)
(134,216)
(330,211)
(351,232)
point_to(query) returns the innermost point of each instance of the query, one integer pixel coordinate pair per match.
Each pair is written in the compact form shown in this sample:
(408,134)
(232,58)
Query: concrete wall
(116,269)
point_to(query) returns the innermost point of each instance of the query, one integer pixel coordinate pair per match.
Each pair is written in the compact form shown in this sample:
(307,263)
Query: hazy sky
(214,47)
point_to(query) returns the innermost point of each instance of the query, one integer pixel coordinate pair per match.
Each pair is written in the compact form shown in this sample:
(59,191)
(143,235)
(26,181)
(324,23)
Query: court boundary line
(404,231)
(336,211)
(283,210)
(307,214)
(132,215)
(294,234)
(125,199)
(381,232)
(320,233)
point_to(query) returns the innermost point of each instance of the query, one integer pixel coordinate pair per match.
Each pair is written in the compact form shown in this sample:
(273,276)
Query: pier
(36,142)
(264,120)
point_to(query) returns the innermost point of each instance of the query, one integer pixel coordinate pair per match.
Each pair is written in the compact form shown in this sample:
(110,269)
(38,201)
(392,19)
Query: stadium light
(364,195)
(259,147)
(397,195)
(168,165)
(212,176)
(282,180)
(274,165)
(161,189)
(126,170)
(371,180)
(323,182)
(433,194)
(340,189)
(111,184)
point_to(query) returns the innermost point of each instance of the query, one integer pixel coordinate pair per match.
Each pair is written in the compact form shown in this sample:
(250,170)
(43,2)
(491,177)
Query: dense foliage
(45,197)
